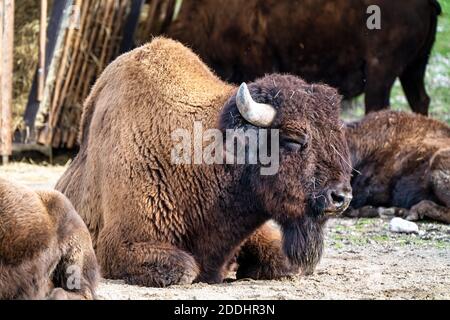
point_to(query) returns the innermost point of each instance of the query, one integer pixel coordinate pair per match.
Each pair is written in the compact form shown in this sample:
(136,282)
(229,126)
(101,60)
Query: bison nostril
(338,198)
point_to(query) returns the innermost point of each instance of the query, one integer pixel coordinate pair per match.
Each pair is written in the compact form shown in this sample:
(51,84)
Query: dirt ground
(362,260)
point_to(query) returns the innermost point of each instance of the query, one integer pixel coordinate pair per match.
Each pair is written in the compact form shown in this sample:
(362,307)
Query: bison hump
(165,69)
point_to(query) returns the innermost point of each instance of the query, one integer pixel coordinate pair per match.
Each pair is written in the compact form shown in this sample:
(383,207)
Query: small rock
(400,225)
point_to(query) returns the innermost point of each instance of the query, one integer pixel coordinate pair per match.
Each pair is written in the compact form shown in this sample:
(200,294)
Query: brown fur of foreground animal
(404,162)
(45,248)
(155,223)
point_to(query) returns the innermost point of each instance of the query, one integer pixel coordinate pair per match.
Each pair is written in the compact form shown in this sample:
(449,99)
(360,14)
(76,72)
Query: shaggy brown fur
(42,243)
(319,40)
(155,223)
(404,162)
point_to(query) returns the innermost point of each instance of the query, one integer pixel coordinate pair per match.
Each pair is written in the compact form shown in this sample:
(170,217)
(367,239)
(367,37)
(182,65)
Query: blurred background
(437,76)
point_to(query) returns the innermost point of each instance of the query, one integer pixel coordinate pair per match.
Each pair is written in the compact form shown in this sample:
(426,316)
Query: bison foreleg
(374,212)
(380,80)
(412,80)
(261,257)
(149,264)
(440,183)
(363,212)
(430,210)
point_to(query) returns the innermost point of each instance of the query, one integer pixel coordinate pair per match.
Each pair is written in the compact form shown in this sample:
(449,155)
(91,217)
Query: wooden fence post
(1,64)
(42,47)
(7,80)
(53,29)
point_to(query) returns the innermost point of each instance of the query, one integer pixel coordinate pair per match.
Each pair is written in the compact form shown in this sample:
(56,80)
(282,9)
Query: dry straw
(91,40)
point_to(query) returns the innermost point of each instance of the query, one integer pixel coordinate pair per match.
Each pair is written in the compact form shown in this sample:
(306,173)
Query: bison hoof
(181,270)
(419,211)
(412,216)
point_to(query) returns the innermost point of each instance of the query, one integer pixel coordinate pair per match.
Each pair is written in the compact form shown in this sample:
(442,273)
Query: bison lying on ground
(45,248)
(403,161)
(157,223)
(321,40)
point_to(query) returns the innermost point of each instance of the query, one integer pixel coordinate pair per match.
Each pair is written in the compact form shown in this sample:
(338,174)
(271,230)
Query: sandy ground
(362,260)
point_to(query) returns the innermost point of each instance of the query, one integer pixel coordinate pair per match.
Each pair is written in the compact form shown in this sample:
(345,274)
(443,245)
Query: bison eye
(295,143)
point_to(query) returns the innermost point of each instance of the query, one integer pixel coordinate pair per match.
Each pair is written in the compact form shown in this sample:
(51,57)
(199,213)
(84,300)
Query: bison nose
(338,200)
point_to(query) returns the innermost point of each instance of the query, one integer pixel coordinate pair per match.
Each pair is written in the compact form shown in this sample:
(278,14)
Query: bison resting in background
(403,162)
(320,40)
(45,248)
(157,223)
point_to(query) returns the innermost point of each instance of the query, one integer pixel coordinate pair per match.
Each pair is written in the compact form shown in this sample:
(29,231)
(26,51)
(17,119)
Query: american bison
(45,248)
(158,223)
(320,40)
(402,161)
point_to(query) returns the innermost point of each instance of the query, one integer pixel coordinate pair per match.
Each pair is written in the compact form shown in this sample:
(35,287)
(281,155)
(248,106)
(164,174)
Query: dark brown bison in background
(45,248)
(319,40)
(156,223)
(403,162)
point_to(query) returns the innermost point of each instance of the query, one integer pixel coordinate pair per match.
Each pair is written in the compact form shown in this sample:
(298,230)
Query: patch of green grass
(442,45)
(340,228)
(362,223)
(374,232)
(441,244)
(438,72)
(381,238)
(436,243)
(341,239)
(437,78)
(338,245)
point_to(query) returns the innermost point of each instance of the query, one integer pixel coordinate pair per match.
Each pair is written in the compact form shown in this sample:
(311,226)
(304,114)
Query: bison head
(312,180)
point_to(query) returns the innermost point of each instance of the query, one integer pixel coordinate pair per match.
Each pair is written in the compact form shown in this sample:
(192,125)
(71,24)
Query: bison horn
(258,114)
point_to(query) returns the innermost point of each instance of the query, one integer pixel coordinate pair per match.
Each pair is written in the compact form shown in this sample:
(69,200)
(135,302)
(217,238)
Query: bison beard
(303,242)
